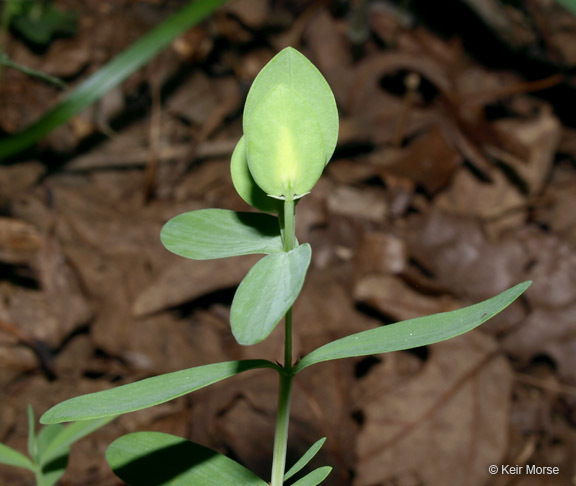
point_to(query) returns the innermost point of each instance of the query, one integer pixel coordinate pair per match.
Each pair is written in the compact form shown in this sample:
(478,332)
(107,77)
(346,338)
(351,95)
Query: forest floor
(454,178)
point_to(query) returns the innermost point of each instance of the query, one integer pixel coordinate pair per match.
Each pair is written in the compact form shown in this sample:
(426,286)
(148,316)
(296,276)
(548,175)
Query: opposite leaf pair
(290,132)
(270,287)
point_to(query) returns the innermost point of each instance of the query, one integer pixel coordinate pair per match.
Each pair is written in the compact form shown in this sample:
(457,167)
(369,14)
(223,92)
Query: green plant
(39,21)
(290,132)
(110,75)
(49,449)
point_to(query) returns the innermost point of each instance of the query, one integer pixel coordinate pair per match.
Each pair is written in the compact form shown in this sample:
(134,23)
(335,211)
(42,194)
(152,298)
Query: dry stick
(544,385)
(481,98)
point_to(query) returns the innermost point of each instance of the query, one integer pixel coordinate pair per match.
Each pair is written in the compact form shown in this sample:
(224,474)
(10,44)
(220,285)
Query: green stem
(289,230)
(281,434)
(38,475)
(284,395)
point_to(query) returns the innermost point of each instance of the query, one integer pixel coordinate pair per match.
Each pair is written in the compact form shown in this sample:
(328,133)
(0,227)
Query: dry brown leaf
(329,45)
(429,161)
(186,280)
(20,242)
(351,202)
(17,179)
(559,201)
(497,202)
(393,298)
(380,252)
(445,426)
(549,332)
(461,259)
(540,136)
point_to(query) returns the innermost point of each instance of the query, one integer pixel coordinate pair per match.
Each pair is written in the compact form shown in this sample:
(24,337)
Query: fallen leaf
(186,280)
(393,298)
(447,424)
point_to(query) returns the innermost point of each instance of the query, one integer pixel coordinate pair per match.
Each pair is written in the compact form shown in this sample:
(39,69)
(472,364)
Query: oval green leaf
(414,332)
(315,477)
(305,459)
(158,459)
(293,69)
(245,184)
(147,393)
(218,233)
(266,293)
(284,144)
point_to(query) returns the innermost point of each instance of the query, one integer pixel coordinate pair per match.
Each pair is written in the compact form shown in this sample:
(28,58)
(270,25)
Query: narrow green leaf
(32,440)
(267,292)
(157,459)
(291,68)
(284,144)
(66,436)
(147,393)
(111,75)
(245,184)
(414,332)
(315,477)
(305,459)
(219,233)
(11,457)
(53,466)
(46,437)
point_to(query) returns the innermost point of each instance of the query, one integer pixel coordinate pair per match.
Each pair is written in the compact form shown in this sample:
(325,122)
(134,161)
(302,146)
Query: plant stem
(289,230)
(285,392)
(281,434)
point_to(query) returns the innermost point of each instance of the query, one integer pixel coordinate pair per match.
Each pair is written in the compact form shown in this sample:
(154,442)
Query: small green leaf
(60,442)
(414,332)
(46,437)
(157,459)
(41,26)
(11,457)
(305,459)
(266,293)
(284,144)
(147,393)
(315,477)
(32,440)
(294,70)
(52,466)
(218,233)
(245,184)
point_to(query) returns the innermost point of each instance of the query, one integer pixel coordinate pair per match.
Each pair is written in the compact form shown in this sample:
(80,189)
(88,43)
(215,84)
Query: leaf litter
(453,179)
